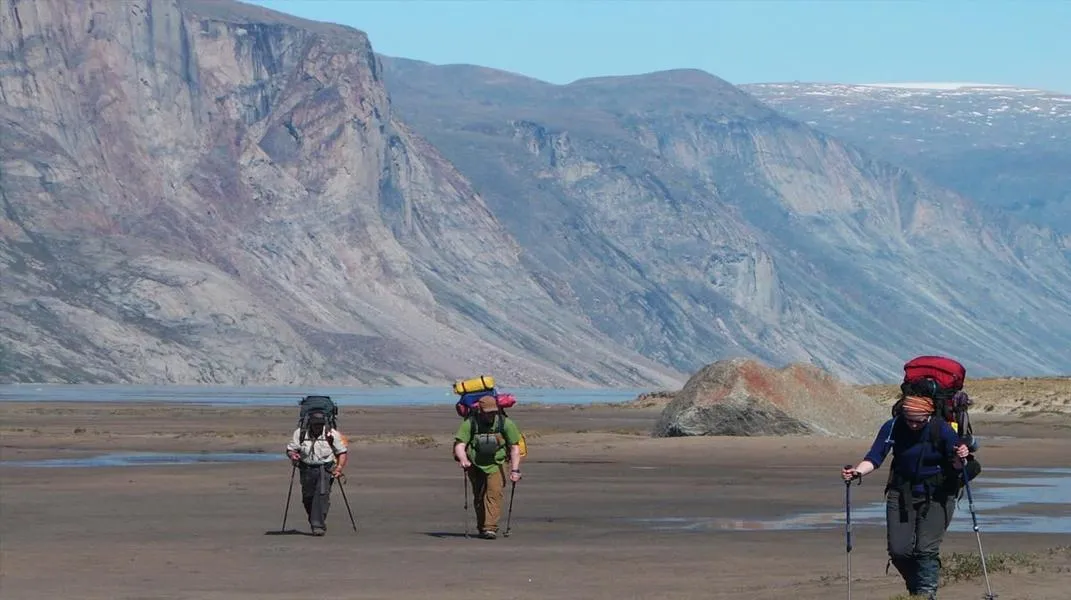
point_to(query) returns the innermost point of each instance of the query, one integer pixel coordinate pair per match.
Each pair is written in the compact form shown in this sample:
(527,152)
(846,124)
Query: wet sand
(603,511)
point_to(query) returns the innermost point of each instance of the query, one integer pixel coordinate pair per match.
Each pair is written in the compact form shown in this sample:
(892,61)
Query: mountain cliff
(692,222)
(1008,148)
(200,191)
(206,191)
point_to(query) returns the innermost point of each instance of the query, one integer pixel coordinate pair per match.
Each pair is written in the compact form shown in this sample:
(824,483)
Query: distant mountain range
(1008,148)
(716,206)
(200,191)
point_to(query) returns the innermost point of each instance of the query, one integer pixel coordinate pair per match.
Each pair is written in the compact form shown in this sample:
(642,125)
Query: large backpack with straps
(470,391)
(941,379)
(322,405)
(466,403)
(488,443)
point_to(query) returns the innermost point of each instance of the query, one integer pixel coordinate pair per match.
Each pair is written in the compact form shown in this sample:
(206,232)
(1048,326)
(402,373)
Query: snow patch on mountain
(938,86)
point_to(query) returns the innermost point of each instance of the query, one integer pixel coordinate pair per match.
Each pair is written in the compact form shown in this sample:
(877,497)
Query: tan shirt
(317,451)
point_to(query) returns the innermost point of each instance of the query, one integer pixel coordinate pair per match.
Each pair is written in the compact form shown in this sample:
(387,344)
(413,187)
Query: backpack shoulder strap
(499,426)
(500,429)
(892,428)
(471,419)
(935,443)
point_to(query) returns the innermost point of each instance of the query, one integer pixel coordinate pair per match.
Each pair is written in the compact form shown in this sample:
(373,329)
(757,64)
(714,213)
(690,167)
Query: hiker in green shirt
(482,454)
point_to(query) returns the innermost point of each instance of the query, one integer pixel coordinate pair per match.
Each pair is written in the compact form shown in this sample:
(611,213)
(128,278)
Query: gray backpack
(485,445)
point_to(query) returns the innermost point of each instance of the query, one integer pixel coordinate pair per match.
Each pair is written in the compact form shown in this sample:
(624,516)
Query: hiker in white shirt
(321,454)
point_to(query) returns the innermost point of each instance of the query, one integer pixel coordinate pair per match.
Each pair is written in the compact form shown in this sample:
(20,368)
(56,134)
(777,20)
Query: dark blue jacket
(915,457)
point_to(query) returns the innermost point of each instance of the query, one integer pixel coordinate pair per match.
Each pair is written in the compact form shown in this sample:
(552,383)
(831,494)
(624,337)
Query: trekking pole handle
(855,477)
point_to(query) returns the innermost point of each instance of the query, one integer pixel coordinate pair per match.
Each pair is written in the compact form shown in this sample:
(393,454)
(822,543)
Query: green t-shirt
(488,450)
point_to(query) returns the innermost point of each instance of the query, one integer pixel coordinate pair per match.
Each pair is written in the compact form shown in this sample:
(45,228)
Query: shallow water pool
(998,503)
(135,459)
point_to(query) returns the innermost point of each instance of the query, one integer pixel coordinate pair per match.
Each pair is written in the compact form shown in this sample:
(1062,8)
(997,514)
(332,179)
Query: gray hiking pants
(914,531)
(316,481)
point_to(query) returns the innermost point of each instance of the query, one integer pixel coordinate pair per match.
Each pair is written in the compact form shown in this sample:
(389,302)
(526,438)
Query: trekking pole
(465,488)
(962,428)
(509,515)
(342,487)
(848,525)
(286,511)
(974,520)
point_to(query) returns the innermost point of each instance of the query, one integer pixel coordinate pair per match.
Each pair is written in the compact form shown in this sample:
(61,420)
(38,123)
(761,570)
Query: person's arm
(461,456)
(293,447)
(865,467)
(513,438)
(343,458)
(876,455)
(461,440)
(514,462)
(341,450)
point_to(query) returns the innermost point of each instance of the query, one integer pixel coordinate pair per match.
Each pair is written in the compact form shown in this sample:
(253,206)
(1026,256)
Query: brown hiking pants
(487,493)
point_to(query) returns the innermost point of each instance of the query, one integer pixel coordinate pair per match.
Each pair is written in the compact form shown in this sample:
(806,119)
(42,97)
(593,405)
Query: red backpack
(945,373)
(941,379)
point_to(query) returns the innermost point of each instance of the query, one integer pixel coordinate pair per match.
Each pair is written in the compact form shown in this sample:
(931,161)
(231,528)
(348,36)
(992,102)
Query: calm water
(136,459)
(999,498)
(285,395)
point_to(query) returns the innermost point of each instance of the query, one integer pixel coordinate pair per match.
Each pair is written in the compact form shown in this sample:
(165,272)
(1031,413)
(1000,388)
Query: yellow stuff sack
(522,445)
(476,384)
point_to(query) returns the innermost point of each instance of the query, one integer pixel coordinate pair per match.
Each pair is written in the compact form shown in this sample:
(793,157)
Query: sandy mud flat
(167,502)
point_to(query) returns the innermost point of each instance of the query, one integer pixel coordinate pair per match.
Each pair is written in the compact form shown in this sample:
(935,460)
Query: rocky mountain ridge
(730,229)
(1007,147)
(198,191)
(212,192)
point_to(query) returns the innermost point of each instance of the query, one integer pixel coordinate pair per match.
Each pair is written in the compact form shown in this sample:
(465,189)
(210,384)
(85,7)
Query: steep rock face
(200,191)
(745,398)
(1008,148)
(691,222)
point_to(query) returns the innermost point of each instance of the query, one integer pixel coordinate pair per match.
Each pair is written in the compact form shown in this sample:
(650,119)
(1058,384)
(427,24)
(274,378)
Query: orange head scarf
(918,406)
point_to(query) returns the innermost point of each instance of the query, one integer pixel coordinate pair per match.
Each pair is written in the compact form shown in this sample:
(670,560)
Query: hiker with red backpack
(485,440)
(926,436)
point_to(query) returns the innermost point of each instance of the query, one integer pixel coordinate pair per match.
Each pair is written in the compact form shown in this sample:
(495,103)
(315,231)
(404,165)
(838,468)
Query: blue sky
(1024,42)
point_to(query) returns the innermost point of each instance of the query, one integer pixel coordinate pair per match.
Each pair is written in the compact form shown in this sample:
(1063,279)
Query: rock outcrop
(741,397)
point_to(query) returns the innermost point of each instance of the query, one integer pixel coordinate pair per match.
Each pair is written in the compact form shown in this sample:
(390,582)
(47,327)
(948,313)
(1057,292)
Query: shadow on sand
(447,534)
(288,532)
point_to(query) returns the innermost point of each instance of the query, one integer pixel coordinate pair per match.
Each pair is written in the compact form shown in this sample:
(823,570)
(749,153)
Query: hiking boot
(319,531)
(488,535)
